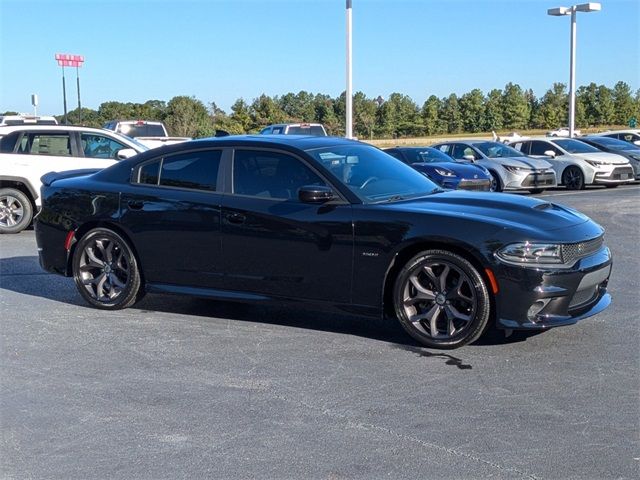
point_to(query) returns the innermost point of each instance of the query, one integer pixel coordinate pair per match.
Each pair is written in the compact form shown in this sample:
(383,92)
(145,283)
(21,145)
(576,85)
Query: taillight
(69,240)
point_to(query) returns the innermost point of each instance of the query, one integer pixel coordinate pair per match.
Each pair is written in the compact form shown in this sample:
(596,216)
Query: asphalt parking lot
(189,388)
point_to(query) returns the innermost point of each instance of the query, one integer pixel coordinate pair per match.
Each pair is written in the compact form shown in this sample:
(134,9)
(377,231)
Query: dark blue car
(443,169)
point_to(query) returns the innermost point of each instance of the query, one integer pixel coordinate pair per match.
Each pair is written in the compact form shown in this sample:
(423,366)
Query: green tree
(240,115)
(325,113)
(472,111)
(399,116)
(606,108)
(587,96)
(515,107)
(89,118)
(429,113)
(115,111)
(364,115)
(622,103)
(450,114)
(494,119)
(264,111)
(150,110)
(553,108)
(188,117)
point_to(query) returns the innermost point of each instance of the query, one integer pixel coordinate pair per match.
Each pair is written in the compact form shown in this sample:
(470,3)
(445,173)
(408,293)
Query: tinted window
(521,147)
(196,170)
(143,130)
(270,175)
(538,148)
(371,174)
(148,173)
(425,155)
(612,143)
(8,142)
(315,130)
(58,144)
(460,150)
(99,146)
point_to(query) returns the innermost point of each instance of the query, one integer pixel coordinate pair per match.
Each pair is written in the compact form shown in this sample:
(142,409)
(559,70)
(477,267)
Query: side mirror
(637,142)
(550,153)
(315,194)
(469,158)
(125,153)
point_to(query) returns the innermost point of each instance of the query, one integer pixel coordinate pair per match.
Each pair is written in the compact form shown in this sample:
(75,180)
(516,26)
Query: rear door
(274,244)
(171,209)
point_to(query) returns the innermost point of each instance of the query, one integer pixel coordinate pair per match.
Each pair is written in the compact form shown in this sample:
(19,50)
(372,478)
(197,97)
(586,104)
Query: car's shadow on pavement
(23,275)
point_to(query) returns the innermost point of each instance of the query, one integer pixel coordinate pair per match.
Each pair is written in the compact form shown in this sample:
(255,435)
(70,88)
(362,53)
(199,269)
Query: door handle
(135,204)
(236,218)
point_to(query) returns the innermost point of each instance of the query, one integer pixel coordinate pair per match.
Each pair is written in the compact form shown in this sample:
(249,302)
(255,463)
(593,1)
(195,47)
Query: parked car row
(533,165)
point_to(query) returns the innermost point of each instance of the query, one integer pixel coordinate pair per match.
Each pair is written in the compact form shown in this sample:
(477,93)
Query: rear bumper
(533,299)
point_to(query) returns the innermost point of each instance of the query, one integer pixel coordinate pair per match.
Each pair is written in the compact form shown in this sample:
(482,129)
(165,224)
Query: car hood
(501,209)
(466,170)
(603,157)
(526,162)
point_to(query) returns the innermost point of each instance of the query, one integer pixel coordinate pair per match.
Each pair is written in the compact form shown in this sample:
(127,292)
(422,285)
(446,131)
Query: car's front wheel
(496,185)
(573,178)
(441,299)
(16,210)
(106,270)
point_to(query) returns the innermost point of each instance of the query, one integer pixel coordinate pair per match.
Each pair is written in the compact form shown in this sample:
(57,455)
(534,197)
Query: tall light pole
(68,60)
(559,12)
(349,96)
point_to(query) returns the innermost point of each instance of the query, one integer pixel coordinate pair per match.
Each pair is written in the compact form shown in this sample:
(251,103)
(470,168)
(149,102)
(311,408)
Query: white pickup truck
(151,134)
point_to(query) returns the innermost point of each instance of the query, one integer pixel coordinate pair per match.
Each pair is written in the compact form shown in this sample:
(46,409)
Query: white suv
(28,152)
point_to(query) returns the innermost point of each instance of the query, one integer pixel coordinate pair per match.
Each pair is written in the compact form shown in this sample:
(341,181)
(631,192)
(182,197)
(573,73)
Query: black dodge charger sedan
(325,222)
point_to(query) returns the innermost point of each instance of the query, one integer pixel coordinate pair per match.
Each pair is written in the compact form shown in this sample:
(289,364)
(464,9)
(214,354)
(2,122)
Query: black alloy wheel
(16,210)
(496,185)
(441,300)
(106,270)
(573,178)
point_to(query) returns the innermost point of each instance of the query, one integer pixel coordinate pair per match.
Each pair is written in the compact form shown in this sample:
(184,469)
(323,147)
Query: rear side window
(57,144)
(8,142)
(193,170)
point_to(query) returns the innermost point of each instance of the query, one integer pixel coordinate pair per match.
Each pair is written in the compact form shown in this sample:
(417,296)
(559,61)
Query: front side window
(538,148)
(371,174)
(57,144)
(99,146)
(194,170)
(460,150)
(270,174)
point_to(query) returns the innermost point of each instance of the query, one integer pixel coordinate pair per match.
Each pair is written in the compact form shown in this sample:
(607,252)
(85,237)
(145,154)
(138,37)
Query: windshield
(497,150)
(142,148)
(426,155)
(315,130)
(613,143)
(575,146)
(371,174)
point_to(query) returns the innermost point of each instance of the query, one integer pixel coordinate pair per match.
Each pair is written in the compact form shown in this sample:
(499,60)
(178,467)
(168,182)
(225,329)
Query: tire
(441,300)
(16,210)
(106,270)
(536,190)
(573,178)
(496,184)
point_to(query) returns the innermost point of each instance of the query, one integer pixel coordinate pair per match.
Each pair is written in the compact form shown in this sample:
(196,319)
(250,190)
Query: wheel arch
(85,228)
(582,170)
(466,251)
(21,184)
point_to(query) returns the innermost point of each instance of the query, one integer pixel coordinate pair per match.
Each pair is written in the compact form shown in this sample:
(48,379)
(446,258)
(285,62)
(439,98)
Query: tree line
(510,108)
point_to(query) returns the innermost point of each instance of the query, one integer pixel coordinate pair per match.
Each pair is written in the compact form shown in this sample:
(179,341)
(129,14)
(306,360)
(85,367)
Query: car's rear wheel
(441,299)
(496,184)
(573,178)
(106,270)
(16,210)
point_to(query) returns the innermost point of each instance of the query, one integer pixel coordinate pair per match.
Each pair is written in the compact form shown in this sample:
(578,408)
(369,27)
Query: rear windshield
(613,143)
(20,121)
(497,150)
(145,130)
(315,130)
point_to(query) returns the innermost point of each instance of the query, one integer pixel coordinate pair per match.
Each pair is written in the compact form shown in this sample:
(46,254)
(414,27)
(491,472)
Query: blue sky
(221,50)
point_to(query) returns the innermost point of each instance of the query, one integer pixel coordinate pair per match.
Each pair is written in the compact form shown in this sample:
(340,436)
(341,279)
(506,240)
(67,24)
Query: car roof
(302,142)
(4,130)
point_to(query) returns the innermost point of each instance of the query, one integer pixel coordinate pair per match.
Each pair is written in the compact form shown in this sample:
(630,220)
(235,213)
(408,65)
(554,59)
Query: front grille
(574,251)
(623,173)
(538,179)
(477,185)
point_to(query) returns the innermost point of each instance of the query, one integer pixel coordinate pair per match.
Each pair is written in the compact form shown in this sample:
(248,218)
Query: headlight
(517,169)
(444,173)
(595,163)
(533,254)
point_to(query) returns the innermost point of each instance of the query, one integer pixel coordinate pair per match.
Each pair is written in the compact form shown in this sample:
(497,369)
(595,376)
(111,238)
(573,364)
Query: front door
(274,244)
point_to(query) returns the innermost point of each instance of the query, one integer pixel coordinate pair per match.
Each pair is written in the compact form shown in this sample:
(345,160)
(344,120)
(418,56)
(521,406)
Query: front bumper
(616,175)
(536,299)
(474,184)
(531,180)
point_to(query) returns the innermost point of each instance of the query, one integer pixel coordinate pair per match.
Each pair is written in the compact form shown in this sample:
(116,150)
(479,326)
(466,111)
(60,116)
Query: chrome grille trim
(575,251)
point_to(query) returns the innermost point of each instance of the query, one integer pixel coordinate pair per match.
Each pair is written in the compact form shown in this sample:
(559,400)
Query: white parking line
(586,191)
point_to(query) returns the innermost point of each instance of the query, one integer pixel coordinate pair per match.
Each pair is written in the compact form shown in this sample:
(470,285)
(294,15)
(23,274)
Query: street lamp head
(589,7)
(559,11)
